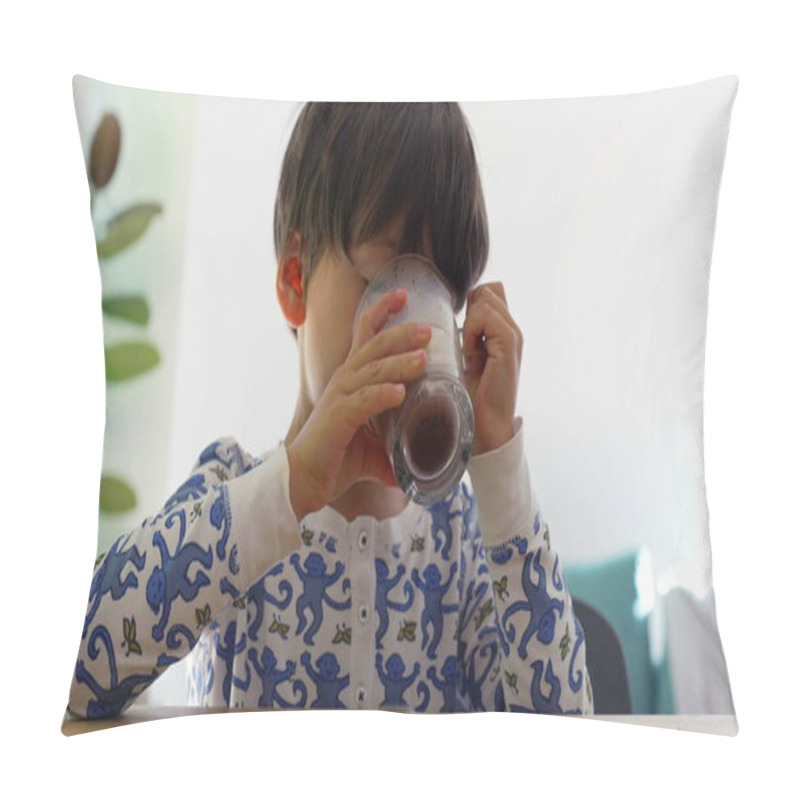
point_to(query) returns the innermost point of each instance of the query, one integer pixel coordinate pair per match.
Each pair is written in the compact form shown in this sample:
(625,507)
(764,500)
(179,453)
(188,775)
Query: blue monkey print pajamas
(446,608)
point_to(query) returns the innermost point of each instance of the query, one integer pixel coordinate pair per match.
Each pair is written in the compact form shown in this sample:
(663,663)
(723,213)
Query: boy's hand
(333,450)
(493,355)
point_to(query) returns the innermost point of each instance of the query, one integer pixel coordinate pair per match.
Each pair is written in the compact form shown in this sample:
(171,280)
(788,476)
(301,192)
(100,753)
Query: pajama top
(460,606)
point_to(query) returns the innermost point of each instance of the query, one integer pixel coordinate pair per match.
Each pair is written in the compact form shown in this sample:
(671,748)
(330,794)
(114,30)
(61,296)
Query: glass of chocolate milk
(428,438)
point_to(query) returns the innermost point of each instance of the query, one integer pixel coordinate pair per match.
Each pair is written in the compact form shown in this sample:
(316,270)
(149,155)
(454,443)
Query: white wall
(237,375)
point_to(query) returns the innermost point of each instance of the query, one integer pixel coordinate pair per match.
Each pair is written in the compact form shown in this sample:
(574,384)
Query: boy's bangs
(396,193)
(428,174)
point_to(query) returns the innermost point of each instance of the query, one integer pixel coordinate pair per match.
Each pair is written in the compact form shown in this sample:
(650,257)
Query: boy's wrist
(301,496)
(494,440)
(500,480)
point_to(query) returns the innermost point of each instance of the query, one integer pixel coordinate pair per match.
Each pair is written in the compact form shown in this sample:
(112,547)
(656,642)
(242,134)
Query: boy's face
(332,298)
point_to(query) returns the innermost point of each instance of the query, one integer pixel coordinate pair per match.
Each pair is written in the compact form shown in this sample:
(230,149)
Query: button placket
(361,696)
(361,654)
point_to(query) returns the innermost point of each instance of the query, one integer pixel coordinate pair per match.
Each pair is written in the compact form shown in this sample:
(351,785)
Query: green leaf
(129,359)
(132,308)
(105,150)
(115,495)
(126,228)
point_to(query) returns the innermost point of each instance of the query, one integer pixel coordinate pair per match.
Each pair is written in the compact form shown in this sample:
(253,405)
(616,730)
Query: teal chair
(610,588)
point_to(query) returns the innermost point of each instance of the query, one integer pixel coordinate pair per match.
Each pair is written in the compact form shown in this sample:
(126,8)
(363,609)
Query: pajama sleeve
(161,583)
(522,647)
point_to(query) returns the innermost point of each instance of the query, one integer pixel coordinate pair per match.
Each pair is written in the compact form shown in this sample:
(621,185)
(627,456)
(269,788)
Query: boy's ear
(291,283)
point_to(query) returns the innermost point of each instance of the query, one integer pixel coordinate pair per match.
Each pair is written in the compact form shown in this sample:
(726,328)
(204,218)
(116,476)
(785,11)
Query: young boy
(305,577)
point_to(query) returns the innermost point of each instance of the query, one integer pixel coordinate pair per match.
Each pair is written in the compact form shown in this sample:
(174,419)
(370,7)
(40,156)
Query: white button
(363,613)
(361,695)
(362,540)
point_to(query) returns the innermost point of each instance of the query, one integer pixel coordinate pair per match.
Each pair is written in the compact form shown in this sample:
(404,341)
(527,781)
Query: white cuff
(264,523)
(507,505)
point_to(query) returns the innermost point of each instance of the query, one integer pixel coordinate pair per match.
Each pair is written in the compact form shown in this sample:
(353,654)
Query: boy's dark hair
(349,168)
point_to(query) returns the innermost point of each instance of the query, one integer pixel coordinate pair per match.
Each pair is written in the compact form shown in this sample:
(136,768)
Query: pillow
(601,214)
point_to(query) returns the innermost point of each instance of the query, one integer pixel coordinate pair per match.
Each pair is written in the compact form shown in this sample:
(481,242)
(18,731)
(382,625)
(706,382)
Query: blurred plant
(129,359)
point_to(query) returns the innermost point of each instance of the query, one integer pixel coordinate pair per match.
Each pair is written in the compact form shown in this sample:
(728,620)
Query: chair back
(605,661)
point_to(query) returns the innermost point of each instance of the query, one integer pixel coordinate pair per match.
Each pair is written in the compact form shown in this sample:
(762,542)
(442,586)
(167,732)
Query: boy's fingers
(370,400)
(375,317)
(494,299)
(491,296)
(395,340)
(488,331)
(475,325)
(474,343)
(495,288)
(400,368)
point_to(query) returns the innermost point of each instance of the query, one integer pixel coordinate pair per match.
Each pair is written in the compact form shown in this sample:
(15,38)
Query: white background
(54,389)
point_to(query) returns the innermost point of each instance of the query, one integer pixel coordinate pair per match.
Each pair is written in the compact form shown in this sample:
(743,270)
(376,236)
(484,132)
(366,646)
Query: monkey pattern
(499,698)
(555,577)
(575,683)
(173,643)
(441,524)
(384,585)
(227,650)
(110,701)
(171,579)
(266,669)
(226,587)
(502,554)
(234,463)
(108,577)
(425,693)
(191,489)
(471,526)
(220,516)
(434,611)
(288,638)
(448,685)
(259,596)
(474,683)
(233,560)
(393,679)
(326,677)
(539,605)
(543,704)
(315,582)
(471,602)
(209,454)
